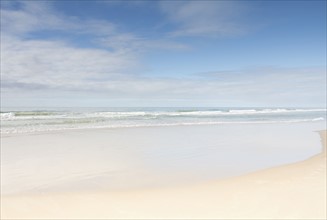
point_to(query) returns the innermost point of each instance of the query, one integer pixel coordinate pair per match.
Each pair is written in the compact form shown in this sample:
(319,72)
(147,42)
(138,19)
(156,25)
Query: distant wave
(318,119)
(7,115)
(42,121)
(76,126)
(129,114)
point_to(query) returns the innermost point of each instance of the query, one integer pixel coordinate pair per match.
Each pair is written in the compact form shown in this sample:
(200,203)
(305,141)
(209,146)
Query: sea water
(29,120)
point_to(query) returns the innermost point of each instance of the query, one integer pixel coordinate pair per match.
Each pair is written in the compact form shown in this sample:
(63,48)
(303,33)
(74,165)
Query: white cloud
(29,17)
(57,65)
(36,63)
(34,16)
(36,70)
(204,18)
(39,70)
(274,85)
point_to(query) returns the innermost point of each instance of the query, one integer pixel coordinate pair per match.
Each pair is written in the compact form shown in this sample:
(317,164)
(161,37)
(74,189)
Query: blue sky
(163,53)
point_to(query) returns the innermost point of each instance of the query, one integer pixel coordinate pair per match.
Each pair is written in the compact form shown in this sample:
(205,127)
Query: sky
(163,53)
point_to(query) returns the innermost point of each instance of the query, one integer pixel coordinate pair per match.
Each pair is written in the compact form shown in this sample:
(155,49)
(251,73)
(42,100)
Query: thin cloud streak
(130,42)
(34,16)
(204,18)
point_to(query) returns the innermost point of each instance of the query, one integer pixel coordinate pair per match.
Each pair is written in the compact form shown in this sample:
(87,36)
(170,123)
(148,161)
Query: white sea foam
(38,121)
(47,128)
(199,113)
(318,119)
(7,115)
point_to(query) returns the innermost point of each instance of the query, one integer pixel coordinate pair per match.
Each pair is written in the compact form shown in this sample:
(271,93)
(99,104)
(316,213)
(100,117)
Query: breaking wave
(36,121)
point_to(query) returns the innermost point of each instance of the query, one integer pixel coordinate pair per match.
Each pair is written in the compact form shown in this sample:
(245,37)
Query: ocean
(31,120)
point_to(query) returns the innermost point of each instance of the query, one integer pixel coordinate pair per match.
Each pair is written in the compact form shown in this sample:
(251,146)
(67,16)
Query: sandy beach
(294,191)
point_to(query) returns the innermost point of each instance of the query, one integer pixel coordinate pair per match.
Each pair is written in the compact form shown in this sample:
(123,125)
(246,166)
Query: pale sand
(295,191)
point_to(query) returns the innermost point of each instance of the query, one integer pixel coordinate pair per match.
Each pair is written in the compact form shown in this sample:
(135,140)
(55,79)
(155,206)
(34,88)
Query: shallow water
(124,158)
(30,120)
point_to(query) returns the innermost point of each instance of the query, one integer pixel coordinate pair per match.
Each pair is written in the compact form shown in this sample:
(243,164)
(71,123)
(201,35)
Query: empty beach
(265,171)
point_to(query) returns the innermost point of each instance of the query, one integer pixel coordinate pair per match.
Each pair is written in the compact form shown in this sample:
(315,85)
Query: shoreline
(292,191)
(59,131)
